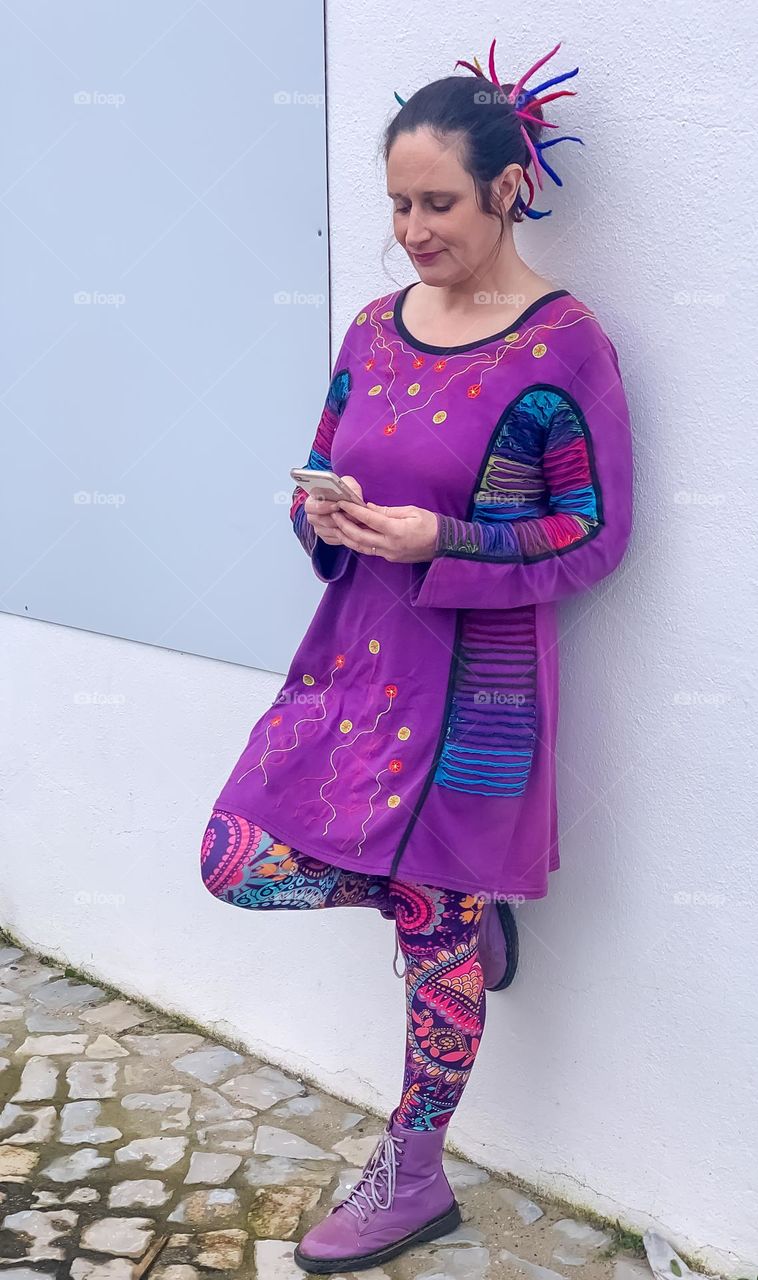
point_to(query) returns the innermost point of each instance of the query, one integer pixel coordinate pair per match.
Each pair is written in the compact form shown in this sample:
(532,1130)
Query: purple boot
(401,1199)
(498,945)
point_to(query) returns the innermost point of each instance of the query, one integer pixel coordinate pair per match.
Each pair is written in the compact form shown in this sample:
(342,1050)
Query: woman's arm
(497,561)
(329,561)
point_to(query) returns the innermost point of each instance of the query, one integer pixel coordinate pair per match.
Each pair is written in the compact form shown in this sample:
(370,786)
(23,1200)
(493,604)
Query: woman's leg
(437,932)
(246,866)
(403,1197)
(445,998)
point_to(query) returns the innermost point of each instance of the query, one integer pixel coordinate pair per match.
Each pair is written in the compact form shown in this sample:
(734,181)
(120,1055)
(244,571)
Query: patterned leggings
(437,931)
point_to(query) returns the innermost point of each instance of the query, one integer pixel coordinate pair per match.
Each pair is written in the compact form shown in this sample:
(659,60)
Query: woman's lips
(428,257)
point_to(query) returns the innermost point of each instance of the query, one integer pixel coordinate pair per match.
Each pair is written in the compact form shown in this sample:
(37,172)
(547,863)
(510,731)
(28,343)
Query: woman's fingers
(353,484)
(355,536)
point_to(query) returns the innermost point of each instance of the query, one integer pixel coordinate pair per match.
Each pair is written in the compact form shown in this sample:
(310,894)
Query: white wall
(619,1070)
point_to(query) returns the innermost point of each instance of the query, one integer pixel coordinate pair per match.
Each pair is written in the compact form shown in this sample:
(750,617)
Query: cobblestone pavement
(131,1148)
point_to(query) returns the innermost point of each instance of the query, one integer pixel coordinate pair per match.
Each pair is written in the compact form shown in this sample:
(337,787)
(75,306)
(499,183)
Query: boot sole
(440,1226)
(510,930)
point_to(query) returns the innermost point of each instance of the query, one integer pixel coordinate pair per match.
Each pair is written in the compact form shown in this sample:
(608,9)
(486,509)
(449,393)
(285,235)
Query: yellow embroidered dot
(373,646)
(387,315)
(393,801)
(346,726)
(439,417)
(374,391)
(404,732)
(511,337)
(308,680)
(362,318)
(414,388)
(539,349)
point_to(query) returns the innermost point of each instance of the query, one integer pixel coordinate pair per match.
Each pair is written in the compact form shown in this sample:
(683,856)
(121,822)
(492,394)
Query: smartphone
(324,484)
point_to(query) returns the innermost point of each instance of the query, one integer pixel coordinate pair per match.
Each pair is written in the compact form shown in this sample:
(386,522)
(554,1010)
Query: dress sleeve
(329,562)
(584,500)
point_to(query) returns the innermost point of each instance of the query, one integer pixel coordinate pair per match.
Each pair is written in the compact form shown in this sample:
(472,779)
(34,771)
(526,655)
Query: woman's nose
(416,234)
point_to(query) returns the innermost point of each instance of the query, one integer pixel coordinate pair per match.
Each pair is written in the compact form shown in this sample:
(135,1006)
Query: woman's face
(435,211)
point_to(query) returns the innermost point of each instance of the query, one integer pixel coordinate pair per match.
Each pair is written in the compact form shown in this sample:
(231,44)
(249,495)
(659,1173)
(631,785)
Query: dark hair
(490,130)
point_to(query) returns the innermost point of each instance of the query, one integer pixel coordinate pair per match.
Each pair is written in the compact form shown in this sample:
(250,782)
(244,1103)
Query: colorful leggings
(437,931)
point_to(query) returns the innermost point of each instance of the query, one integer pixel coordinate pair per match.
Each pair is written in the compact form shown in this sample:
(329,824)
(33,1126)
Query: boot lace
(382,1167)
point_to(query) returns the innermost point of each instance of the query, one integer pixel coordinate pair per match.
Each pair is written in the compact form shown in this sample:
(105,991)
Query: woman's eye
(434,208)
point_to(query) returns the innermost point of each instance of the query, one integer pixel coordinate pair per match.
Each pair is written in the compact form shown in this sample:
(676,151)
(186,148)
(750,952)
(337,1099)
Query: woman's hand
(405,534)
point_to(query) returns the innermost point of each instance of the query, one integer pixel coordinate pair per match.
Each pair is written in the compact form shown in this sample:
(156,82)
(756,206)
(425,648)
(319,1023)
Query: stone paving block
(39,1080)
(129,1236)
(113,1269)
(44,1231)
(66,993)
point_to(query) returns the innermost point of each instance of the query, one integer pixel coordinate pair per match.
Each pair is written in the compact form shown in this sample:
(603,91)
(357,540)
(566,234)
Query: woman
(408,762)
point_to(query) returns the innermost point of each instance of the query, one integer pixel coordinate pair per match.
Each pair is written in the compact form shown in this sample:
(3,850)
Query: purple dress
(414,734)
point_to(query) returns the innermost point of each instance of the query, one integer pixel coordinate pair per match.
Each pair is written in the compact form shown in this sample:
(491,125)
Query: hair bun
(528,109)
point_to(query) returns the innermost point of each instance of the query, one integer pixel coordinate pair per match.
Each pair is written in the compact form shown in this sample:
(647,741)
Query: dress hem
(334,860)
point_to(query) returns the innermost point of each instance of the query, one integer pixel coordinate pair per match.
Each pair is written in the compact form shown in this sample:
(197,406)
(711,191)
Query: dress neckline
(412,341)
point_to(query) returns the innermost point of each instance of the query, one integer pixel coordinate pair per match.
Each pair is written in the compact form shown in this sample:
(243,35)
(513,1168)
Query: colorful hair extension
(522,100)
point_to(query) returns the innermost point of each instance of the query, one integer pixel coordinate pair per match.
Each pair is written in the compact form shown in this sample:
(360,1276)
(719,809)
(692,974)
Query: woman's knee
(230,851)
(247,867)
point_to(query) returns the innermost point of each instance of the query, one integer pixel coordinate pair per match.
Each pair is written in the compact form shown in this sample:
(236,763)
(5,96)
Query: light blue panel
(164,179)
